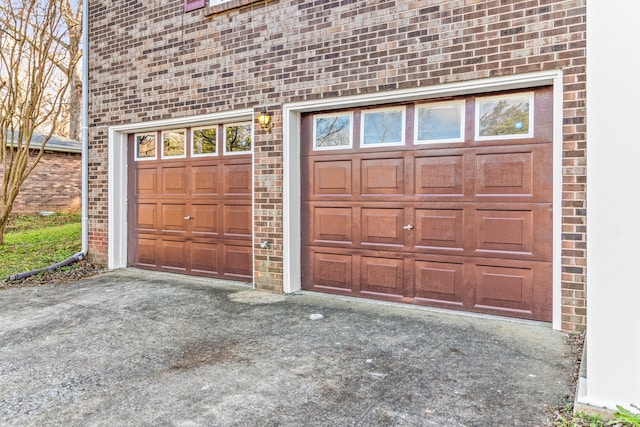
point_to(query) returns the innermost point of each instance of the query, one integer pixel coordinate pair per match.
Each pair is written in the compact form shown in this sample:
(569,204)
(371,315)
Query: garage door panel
(237,220)
(173,254)
(504,289)
(174,181)
(332,177)
(382,177)
(145,217)
(205,220)
(440,229)
(504,231)
(439,282)
(237,179)
(514,173)
(382,227)
(205,180)
(439,176)
(238,262)
(146,182)
(332,272)
(332,225)
(382,276)
(205,258)
(509,174)
(514,233)
(172,219)
(145,253)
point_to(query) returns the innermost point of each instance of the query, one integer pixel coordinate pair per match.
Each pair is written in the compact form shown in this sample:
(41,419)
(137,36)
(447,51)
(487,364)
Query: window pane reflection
(383,127)
(146,146)
(204,141)
(237,138)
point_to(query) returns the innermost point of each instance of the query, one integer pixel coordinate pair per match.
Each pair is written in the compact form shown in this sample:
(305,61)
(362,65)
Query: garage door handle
(188,217)
(408,227)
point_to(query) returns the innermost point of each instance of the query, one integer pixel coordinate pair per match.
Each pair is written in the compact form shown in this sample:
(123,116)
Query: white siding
(613,203)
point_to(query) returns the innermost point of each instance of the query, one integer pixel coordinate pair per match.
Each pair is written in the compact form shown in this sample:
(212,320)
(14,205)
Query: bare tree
(34,40)
(70,122)
(73,21)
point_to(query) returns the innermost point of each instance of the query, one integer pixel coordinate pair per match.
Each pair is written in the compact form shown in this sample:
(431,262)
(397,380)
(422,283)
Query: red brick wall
(149,61)
(54,185)
(268,208)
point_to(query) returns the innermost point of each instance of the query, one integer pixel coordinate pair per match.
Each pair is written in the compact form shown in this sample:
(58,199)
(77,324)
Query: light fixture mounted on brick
(265,120)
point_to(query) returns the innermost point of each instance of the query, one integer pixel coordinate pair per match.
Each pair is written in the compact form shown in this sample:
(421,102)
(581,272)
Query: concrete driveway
(139,348)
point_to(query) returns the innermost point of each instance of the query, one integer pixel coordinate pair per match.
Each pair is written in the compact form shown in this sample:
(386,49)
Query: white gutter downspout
(85,128)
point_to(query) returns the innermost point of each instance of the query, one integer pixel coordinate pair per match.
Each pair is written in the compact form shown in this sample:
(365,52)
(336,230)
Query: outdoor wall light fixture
(265,120)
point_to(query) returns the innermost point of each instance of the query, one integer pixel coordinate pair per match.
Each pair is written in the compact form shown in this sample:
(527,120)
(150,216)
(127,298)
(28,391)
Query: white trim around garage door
(291,146)
(117,172)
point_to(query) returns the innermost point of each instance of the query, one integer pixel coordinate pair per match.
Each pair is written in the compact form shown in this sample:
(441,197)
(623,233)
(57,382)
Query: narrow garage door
(443,203)
(190,201)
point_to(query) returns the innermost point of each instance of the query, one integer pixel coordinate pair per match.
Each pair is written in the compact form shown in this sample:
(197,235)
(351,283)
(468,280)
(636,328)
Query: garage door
(443,203)
(190,201)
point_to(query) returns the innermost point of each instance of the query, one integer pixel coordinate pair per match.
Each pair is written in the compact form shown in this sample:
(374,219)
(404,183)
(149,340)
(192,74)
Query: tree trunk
(5,211)
(3,228)
(75,107)
(4,221)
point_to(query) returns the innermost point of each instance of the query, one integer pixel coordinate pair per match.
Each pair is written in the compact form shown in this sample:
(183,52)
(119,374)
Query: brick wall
(54,185)
(149,61)
(268,208)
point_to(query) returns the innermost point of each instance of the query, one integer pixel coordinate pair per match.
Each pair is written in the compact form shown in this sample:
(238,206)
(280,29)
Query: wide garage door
(190,201)
(444,203)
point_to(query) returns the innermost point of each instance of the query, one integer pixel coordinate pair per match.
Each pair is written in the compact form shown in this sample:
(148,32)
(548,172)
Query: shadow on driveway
(139,348)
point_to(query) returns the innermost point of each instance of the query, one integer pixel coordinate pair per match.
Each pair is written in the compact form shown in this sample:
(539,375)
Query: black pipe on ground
(74,258)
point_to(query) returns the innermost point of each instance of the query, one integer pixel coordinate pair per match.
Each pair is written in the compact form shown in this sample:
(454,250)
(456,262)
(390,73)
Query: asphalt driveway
(138,348)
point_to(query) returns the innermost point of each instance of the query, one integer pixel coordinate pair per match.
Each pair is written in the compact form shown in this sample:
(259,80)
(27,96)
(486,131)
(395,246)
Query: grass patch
(20,223)
(623,418)
(36,242)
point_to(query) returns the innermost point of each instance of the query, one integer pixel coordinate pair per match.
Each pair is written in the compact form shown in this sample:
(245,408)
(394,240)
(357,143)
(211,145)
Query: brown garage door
(190,201)
(445,203)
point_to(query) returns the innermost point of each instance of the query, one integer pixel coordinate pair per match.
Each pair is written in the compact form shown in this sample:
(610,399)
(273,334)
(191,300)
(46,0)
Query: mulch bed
(72,273)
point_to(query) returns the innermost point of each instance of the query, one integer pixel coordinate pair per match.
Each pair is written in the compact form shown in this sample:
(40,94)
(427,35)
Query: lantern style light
(265,120)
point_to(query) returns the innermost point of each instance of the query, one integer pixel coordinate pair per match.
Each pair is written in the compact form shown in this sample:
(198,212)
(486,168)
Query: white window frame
(135,146)
(224,139)
(184,153)
(385,144)
(479,100)
(461,105)
(339,147)
(215,153)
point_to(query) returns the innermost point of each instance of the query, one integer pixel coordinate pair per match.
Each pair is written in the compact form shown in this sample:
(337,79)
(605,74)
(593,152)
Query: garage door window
(504,117)
(145,146)
(439,122)
(237,138)
(173,144)
(204,141)
(332,131)
(383,127)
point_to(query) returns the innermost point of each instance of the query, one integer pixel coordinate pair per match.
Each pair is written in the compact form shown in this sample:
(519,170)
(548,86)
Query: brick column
(267,208)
